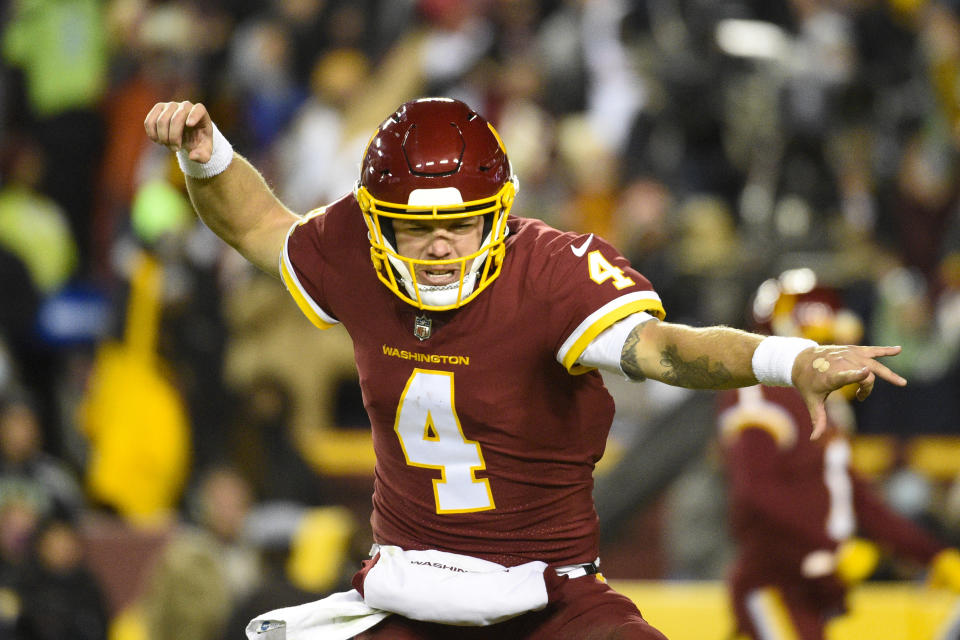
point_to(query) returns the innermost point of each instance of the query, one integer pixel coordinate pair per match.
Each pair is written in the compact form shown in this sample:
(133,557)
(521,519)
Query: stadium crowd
(161,422)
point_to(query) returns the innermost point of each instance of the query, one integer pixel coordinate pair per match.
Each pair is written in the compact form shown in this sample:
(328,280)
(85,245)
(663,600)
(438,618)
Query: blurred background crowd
(181,448)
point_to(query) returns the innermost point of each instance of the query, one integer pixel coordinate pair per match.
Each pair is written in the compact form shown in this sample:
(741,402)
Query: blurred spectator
(17,316)
(710,262)
(316,26)
(192,332)
(456,38)
(61,50)
(264,448)
(923,317)
(311,153)
(563,70)
(32,225)
(187,596)
(924,321)
(267,345)
(275,591)
(27,472)
(206,566)
(261,69)
(221,504)
(592,169)
(19,520)
(615,92)
(34,230)
(927,198)
(145,71)
(313,553)
(62,600)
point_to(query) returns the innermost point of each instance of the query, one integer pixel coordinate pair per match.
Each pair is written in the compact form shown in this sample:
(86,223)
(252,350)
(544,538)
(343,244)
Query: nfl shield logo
(421,327)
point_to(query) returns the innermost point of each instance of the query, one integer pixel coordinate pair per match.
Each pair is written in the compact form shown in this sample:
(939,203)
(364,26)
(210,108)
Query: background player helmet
(436,158)
(796,304)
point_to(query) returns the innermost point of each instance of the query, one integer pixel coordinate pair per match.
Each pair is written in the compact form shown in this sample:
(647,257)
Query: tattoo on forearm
(628,356)
(700,373)
(693,374)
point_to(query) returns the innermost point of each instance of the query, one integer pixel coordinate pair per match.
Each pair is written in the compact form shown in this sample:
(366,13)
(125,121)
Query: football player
(807,526)
(478,336)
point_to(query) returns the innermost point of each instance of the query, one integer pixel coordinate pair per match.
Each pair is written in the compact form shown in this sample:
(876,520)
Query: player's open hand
(182,125)
(821,370)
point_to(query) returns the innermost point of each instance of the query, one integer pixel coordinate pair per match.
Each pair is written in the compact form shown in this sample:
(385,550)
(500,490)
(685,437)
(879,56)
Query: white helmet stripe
(434,197)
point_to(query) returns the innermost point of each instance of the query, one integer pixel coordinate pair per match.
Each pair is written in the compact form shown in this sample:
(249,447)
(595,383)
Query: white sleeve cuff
(605,351)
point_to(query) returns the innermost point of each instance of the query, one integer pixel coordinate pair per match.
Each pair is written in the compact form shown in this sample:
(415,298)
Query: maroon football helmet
(436,158)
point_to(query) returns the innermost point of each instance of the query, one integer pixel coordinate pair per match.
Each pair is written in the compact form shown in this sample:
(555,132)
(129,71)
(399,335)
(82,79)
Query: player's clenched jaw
(444,243)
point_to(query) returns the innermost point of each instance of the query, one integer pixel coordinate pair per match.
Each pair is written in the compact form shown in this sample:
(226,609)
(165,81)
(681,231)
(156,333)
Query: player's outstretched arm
(228,193)
(723,358)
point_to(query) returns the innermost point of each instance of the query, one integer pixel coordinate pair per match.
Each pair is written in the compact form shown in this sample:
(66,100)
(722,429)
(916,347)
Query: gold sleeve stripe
(770,615)
(753,412)
(601,319)
(314,313)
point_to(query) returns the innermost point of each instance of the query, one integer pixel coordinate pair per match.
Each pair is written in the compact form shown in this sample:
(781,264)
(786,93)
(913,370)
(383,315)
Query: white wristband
(219,160)
(774,357)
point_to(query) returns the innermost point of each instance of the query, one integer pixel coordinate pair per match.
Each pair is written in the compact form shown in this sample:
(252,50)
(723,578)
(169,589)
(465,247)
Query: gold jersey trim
(602,319)
(314,313)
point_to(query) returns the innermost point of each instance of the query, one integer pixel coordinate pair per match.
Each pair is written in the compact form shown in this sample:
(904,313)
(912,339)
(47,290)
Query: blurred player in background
(797,508)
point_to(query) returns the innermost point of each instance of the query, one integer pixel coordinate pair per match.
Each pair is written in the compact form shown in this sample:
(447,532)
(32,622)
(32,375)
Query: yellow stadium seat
(937,457)
(873,455)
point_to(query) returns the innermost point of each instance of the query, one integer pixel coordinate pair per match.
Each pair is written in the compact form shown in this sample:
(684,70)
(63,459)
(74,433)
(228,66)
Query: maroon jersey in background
(485,442)
(791,496)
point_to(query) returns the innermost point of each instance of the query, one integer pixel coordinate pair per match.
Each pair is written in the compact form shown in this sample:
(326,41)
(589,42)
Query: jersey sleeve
(880,523)
(606,350)
(301,262)
(595,287)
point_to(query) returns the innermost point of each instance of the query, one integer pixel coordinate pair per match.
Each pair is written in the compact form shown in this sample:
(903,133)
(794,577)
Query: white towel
(434,586)
(449,588)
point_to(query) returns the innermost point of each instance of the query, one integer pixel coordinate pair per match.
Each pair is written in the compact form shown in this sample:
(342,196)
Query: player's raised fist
(181,125)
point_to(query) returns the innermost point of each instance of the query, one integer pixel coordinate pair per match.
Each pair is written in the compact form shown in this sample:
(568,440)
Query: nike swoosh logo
(582,249)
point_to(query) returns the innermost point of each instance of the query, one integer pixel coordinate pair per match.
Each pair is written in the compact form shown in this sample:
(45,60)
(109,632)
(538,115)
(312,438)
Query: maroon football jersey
(790,495)
(486,433)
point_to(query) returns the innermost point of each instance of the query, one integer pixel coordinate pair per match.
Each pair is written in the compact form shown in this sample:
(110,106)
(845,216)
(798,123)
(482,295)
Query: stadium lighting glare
(752,39)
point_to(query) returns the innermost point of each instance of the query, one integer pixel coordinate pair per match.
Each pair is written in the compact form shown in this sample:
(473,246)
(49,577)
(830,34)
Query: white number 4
(601,270)
(431,437)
